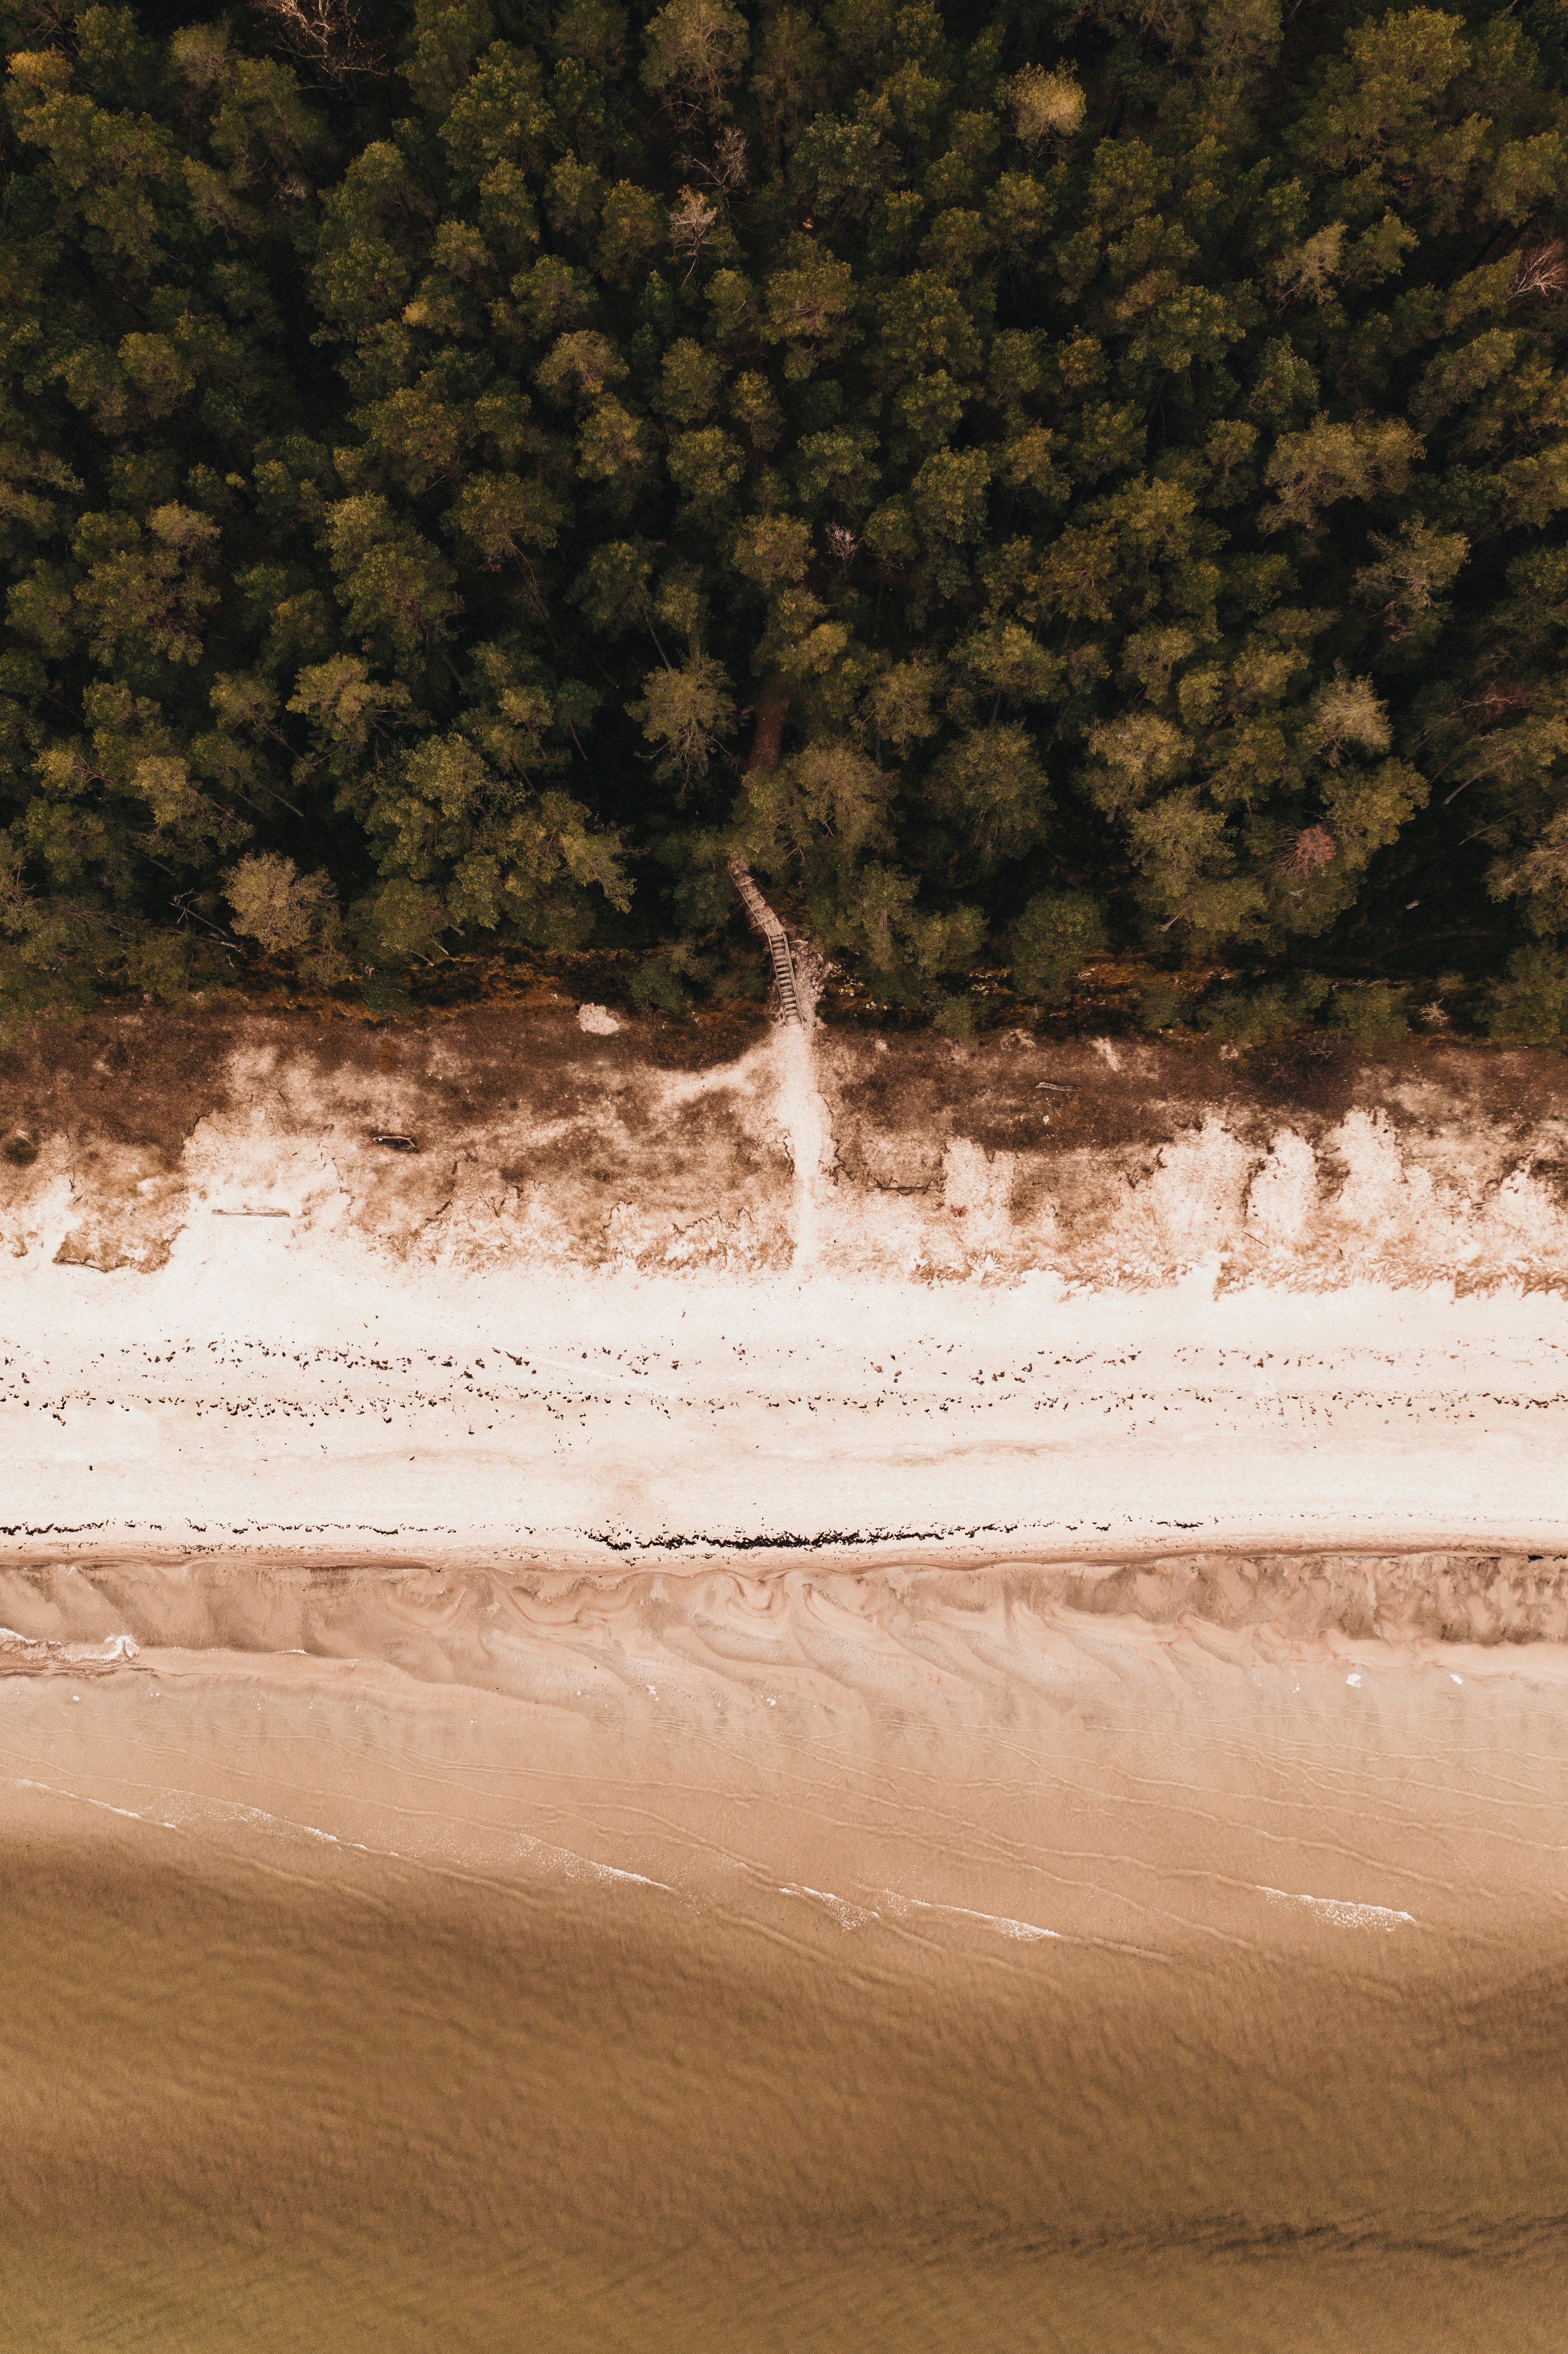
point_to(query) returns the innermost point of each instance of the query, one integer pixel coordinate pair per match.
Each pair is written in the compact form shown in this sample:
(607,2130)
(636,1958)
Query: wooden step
(765,921)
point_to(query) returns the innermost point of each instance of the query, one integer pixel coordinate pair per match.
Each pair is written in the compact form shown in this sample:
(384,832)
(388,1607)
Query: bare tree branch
(325,35)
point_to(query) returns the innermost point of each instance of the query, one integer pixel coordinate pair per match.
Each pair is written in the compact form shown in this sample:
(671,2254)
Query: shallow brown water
(792,1963)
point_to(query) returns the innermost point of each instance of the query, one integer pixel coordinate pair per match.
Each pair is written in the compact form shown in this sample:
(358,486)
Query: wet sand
(804,1961)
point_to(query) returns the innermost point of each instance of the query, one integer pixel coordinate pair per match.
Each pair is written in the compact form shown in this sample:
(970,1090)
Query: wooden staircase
(776,938)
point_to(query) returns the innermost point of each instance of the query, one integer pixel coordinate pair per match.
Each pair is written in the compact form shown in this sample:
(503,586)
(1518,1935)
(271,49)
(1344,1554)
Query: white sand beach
(634,1312)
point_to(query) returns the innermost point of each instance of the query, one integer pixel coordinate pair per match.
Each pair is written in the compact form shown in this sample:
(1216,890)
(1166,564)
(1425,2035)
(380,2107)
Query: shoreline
(927,1633)
(325,1551)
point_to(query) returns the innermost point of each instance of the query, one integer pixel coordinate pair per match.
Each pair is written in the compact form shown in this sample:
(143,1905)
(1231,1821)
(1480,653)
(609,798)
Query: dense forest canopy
(1033,479)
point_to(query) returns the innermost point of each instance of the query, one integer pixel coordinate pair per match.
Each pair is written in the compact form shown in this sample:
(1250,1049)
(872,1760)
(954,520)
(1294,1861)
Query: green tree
(1024,478)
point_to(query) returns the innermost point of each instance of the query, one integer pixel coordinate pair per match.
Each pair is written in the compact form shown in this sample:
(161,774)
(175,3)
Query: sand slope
(522,1285)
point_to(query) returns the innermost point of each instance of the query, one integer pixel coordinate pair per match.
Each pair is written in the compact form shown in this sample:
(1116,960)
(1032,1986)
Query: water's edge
(844,1630)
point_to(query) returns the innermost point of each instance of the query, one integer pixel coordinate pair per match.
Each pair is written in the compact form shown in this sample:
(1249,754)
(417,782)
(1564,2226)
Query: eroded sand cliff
(500,1137)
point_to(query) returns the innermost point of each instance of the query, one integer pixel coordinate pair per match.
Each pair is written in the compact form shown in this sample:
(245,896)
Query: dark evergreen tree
(1027,479)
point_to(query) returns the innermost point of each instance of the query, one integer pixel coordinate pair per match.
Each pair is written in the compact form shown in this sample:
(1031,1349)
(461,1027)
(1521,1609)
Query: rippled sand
(800,1961)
